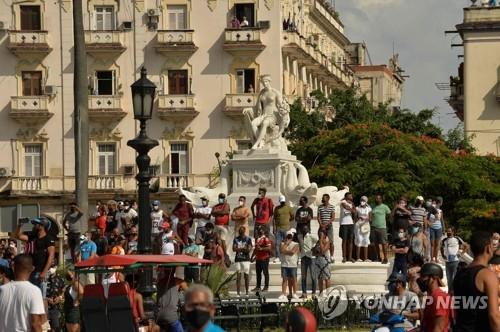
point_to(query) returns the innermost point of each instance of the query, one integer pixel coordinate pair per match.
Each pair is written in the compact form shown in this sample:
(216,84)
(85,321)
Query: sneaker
(359,260)
(238,294)
(304,296)
(282,297)
(276,260)
(256,289)
(385,261)
(265,289)
(246,293)
(332,260)
(295,297)
(368,261)
(352,260)
(343,260)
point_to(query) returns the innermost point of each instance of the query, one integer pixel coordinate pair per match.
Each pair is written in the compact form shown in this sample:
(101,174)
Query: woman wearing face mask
(418,243)
(362,229)
(400,247)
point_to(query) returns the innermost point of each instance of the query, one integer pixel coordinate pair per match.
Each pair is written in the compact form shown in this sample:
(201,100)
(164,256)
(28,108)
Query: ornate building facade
(206,69)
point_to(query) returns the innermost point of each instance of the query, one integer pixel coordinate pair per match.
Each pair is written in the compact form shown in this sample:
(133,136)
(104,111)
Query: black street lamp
(143,95)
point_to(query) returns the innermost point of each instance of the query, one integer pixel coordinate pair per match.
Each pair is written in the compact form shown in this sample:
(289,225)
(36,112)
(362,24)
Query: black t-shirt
(111,222)
(303,212)
(399,244)
(38,248)
(401,221)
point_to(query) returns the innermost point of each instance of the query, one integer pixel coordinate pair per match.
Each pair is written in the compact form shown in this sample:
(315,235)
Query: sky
(415,28)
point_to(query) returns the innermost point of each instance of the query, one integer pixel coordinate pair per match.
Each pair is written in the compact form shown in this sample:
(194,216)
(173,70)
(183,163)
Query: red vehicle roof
(127,260)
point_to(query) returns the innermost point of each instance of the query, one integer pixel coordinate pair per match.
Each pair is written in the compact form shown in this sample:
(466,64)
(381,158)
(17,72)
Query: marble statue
(268,121)
(194,194)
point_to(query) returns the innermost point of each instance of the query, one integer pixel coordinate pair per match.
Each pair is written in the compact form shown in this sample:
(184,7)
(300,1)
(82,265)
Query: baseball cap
(156,203)
(204,198)
(41,221)
(420,198)
(83,238)
(291,231)
(364,199)
(165,224)
(282,199)
(397,277)
(432,270)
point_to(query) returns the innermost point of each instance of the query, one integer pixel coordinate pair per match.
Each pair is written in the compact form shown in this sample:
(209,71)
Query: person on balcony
(235,23)
(244,22)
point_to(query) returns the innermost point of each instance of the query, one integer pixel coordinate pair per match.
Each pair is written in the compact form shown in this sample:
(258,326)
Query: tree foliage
(398,154)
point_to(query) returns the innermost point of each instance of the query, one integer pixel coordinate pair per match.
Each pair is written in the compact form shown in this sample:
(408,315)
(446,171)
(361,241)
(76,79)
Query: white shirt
(345,215)
(18,301)
(201,222)
(156,221)
(451,246)
(363,212)
(290,261)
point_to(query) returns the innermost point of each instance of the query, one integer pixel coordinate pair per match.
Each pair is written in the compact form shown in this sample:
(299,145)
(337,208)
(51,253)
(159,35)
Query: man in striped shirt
(418,213)
(326,216)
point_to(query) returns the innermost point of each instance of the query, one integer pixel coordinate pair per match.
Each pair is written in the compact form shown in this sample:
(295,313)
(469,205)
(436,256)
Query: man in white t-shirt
(346,231)
(451,246)
(202,216)
(21,302)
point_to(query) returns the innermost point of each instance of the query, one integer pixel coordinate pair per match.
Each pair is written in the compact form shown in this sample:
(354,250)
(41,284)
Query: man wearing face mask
(202,215)
(240,216)
(71,225)
(41,246)
(157,216)
(199,309)
(451,250)
(303,217)
(221,212)
(400,247)
(281,223)
(477,281)
(437,310)
(400,299)
(184,212)
(242,246)
(262,211)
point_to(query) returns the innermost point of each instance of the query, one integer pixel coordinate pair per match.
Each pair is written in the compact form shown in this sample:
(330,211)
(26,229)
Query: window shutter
(240,81)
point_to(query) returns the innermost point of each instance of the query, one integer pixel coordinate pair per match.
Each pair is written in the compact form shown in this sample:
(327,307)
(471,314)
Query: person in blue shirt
(200,309)
(88,248)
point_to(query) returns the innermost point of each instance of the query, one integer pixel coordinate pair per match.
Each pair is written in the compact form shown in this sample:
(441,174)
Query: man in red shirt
(261,255)
(437,310)
(221,211)
(262,211)
(184,212)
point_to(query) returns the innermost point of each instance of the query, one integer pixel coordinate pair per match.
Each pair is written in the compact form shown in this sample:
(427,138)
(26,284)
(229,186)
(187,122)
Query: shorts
(346,232)
(329,232)
(72,316)
(378,235)
(243,267)
(435,234)
(289,272)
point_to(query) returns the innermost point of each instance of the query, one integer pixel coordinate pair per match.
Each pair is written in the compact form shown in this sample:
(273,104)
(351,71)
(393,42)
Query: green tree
(456,139)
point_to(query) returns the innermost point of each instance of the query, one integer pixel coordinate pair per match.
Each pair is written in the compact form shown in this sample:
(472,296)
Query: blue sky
(416,29)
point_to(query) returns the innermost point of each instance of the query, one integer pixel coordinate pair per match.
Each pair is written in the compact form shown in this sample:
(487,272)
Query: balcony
(105,182)
(177,107)
(102,42)
(105,108)
(243,41)
(29,43)
(236,103)
(30,183)
(172,182)
(178,42)
(456,100)
(307,53)
(30,109)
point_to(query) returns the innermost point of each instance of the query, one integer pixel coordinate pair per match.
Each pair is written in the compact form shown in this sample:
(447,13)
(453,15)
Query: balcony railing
(105,182)
(177,106)
(28,42)
(176,181)
(29,183)
(100,102)
(104,41)
(30,109)
(236,103)
(243,40)
(176,41)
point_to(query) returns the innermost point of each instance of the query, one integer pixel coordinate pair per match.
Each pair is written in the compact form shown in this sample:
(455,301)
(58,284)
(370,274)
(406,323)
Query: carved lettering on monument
(254,178)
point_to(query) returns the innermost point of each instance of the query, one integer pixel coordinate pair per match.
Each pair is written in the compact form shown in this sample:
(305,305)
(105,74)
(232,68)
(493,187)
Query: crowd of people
(282,234)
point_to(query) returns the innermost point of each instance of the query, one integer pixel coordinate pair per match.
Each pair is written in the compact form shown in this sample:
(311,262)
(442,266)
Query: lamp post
(143,94)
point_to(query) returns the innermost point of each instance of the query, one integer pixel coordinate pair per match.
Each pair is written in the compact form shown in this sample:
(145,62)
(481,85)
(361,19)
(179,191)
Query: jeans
(400,266)
(429,247)
(170,327)
(262,267)
(192,274)
(451,271)
(53,316)
(307,263)
(35,280)
(280,236)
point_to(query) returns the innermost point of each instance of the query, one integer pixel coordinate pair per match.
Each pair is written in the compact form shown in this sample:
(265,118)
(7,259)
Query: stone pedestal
(253,169)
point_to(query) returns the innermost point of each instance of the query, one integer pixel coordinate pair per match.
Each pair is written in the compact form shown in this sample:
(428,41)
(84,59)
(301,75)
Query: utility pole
(80,115)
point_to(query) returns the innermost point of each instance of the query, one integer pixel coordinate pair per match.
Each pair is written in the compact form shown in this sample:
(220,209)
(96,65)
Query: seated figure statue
(270,118)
